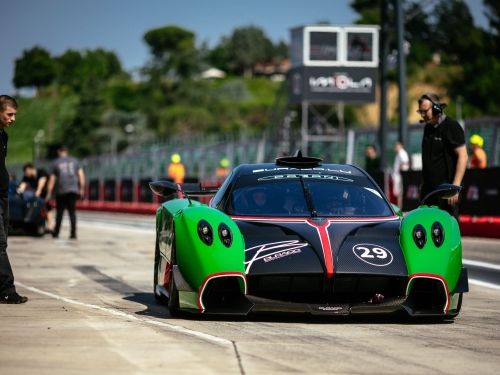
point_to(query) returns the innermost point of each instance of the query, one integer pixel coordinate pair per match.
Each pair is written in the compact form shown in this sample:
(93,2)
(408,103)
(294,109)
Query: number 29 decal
(373,254)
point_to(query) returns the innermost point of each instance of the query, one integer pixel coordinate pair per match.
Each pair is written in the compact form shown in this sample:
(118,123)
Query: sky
(119,25)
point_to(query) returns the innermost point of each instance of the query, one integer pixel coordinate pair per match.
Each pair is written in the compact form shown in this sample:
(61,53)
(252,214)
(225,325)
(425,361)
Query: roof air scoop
(299,161)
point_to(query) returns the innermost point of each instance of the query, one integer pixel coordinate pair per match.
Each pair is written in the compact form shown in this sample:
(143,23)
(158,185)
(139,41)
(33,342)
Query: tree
(280,50)
(67,67)
(246,47)
(35,68)
(80,134)
(99,64)
(173,49)
(75,68)
(492,12)
(219,56)
(368,10)
(419,35)
(454,17)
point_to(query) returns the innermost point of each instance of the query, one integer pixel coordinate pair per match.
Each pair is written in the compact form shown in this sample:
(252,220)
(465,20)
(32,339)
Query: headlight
(437,234)
(225,235)
(419,236)
(205,232)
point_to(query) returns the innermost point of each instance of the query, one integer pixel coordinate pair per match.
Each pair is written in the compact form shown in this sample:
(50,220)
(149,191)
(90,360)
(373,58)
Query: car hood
(327,246)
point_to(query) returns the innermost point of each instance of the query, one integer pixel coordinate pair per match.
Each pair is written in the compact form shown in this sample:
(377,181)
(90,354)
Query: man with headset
(444,153)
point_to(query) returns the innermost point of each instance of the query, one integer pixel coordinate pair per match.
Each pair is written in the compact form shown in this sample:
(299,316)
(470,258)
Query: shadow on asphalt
(158,310)
(153,308)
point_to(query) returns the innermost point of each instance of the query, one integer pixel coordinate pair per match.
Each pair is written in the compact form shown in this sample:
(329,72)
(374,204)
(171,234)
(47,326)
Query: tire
(38,229)
(160,298)
(173,293)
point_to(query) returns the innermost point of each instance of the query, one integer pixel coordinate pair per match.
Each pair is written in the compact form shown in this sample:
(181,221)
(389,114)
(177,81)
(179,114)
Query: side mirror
(164,188)
(443,191)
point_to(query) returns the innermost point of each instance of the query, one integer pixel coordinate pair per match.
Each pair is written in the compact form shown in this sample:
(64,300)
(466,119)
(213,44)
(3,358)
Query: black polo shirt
(32,182)
(4,175)
(439,159)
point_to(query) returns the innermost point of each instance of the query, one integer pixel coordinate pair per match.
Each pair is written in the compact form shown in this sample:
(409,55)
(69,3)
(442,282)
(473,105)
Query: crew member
(444,154)
(176,170)
(478,158)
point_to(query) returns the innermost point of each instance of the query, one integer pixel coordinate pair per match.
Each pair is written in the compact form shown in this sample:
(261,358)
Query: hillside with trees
(86,100)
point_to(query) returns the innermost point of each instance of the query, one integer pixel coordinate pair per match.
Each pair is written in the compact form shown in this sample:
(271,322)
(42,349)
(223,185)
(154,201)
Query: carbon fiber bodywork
(339,249)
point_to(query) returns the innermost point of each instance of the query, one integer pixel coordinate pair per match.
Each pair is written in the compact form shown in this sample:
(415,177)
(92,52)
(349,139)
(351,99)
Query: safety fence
(479,205)
(201,156)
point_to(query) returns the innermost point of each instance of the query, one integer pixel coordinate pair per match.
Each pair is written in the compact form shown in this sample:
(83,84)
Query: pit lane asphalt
(91,310)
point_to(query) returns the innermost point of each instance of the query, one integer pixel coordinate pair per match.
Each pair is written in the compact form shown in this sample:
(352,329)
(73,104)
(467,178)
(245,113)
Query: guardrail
(479,205)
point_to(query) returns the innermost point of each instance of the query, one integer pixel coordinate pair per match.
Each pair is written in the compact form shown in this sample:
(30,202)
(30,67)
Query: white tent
(213,73)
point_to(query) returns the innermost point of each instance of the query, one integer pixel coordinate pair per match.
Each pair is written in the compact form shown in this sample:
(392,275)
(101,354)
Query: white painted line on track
(484,284)
(117,226)
(173,327)
(478,263)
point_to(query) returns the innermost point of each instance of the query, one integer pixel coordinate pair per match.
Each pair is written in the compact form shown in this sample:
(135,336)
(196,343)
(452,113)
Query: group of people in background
(176,171)
(65,181)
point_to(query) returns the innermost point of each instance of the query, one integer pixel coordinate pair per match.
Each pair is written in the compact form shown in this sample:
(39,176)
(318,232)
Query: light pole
(37,139)
(129,130)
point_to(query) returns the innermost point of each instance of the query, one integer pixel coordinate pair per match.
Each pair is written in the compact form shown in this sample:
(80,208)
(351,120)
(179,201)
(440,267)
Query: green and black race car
(301,236)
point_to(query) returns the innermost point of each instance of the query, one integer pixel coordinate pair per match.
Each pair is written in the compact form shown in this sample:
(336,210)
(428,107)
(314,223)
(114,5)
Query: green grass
(44,113)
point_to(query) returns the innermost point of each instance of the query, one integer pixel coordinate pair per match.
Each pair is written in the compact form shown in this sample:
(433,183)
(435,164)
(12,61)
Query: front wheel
(160,298)
(173,293)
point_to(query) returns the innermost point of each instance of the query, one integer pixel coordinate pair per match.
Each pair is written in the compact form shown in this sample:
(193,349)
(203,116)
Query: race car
(302,236)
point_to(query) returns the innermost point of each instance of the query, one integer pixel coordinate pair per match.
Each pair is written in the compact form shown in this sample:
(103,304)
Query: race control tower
(332,65)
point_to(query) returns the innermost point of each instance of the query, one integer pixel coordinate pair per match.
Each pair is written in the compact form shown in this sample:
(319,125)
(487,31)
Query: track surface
(91,311)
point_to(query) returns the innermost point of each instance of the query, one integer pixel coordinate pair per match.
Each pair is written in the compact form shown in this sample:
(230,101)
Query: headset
(437,108)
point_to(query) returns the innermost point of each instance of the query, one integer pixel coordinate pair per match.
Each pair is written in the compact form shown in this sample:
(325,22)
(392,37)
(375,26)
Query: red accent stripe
(179,192)
(303,219)
(326,245)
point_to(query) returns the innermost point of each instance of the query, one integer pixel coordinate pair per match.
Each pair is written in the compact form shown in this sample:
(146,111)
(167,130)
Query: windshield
(306,195)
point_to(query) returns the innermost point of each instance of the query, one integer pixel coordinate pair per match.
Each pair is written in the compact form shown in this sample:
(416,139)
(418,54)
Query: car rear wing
(168,189)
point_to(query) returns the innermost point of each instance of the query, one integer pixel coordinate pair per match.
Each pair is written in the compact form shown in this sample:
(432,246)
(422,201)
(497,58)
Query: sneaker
(13,298)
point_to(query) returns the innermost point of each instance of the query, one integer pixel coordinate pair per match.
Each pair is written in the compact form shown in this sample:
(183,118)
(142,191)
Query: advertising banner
(480,195)
(332,84)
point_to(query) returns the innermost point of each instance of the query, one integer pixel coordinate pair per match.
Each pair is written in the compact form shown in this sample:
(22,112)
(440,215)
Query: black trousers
(6,275)
(66,202)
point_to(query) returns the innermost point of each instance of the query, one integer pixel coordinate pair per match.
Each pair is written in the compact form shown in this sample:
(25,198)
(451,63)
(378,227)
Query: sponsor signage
(333,63)
(345,84)
(479,196)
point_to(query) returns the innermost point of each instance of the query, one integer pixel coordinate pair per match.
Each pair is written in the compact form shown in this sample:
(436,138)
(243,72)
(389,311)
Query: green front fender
(444,261)
(197,260)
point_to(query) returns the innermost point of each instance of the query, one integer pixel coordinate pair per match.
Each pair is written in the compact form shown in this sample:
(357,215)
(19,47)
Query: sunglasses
(423,111)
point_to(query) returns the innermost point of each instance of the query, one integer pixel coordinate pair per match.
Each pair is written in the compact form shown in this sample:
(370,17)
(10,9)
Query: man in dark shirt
(8,294)
(35,180)
(70,178)
(372,164)
(444,154)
